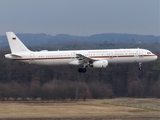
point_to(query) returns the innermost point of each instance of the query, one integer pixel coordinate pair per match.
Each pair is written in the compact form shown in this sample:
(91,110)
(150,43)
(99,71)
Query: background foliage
(25,81)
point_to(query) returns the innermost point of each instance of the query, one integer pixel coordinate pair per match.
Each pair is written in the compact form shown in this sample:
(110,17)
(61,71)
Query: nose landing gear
(140,66)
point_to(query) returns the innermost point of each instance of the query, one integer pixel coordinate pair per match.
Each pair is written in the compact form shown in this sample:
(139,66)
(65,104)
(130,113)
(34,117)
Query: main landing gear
(140,66)
(82,70)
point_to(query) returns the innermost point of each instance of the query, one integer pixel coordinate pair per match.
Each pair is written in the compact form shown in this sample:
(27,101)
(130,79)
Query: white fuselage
(69,57)
(83,58)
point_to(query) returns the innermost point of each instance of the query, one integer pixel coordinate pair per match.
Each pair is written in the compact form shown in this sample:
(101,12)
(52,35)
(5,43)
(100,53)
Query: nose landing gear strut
(140,66)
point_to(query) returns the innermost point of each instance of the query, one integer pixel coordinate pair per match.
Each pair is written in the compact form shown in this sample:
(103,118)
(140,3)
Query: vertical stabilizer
(15,44)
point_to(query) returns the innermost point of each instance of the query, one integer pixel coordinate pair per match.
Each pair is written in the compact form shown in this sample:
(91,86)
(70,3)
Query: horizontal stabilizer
(16,55)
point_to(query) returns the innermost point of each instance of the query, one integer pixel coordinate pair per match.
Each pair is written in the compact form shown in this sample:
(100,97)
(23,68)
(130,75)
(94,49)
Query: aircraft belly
(146,59)
(121,60)
(130,60)
(51,62)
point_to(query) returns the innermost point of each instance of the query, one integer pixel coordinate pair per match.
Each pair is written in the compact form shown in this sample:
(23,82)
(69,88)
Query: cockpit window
(148,52)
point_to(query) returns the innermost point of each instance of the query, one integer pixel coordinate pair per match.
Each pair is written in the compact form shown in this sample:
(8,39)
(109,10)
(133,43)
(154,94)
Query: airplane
(82,58)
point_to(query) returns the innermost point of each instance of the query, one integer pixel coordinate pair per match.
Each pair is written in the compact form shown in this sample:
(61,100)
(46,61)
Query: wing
(83,59)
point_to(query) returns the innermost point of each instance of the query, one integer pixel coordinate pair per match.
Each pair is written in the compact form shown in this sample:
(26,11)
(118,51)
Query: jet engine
(99,64)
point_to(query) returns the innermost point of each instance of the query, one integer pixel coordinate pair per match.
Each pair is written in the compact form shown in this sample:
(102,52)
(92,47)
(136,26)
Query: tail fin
(15,44)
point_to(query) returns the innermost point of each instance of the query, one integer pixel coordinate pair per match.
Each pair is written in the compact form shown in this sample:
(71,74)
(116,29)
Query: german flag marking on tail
(14,38)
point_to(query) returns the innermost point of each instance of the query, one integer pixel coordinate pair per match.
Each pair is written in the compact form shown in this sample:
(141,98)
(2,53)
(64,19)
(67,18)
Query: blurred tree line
(25,81)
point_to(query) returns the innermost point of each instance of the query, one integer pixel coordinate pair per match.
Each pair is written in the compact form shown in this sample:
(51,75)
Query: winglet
(15,44)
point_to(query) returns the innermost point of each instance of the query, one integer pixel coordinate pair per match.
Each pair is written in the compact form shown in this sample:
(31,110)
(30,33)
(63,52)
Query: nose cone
(155,57)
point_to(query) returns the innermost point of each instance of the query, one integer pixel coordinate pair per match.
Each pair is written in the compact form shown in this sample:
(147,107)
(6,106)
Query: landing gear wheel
(82,70)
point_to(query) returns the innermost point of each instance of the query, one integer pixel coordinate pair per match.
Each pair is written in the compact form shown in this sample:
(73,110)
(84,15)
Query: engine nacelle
(100,64)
